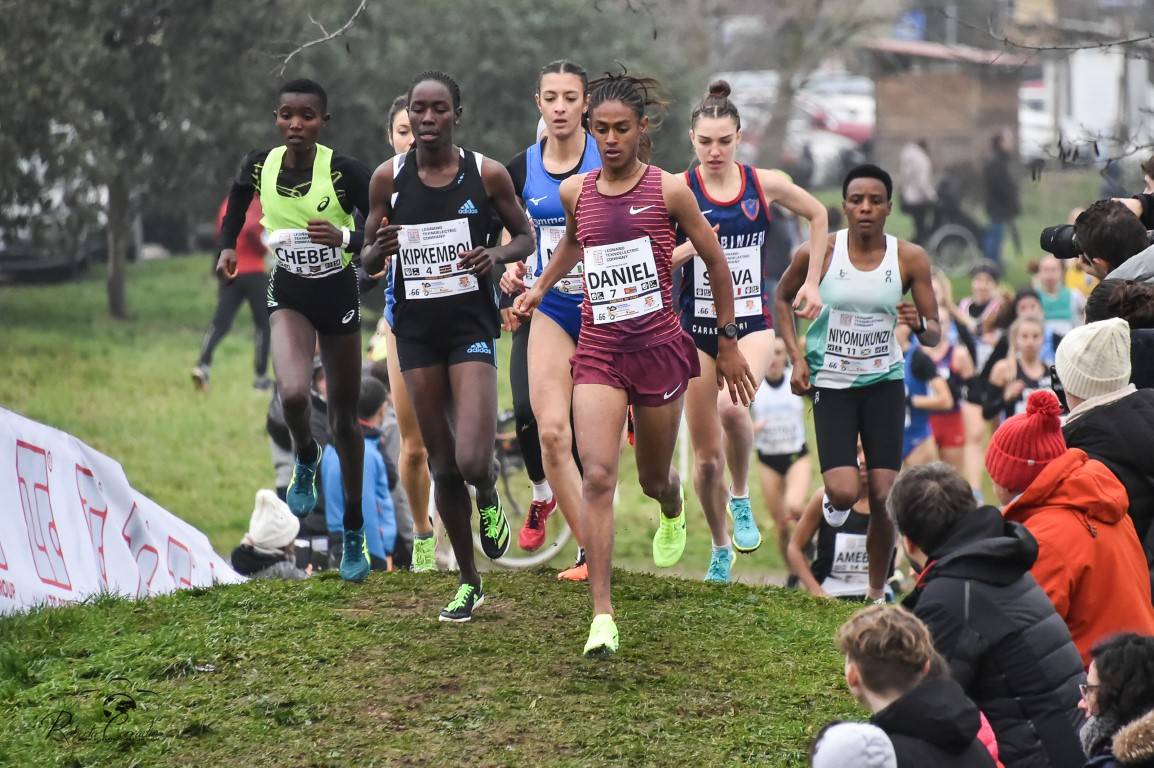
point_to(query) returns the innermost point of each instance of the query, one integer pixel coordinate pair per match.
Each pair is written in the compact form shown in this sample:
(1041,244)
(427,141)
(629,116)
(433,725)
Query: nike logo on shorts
(634,211)
(348,317)
(537,200)
(668,395)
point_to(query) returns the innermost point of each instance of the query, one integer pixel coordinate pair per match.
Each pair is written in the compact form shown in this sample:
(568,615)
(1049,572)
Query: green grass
(323,673)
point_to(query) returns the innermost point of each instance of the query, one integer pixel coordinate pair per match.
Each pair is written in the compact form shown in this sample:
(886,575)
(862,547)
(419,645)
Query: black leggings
(251,287)
(527,437)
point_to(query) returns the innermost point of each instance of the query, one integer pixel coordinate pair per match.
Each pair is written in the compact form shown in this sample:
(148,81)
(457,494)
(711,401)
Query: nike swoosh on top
(668,395)
(703,213)
(537,200)
(634,211)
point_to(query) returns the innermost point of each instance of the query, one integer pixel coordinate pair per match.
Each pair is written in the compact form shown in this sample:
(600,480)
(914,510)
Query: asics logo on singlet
(537,200)
(348,316)
(324,203)
(634,211)
(479,348)
(467,208)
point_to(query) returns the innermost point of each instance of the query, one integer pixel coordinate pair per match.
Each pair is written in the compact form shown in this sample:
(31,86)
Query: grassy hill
(323,673)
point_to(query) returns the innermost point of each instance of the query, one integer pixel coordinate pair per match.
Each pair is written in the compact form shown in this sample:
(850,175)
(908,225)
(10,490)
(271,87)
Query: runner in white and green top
(852,365)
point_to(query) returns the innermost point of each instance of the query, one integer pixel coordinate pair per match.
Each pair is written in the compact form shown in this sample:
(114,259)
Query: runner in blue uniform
(735,199)
(565,150)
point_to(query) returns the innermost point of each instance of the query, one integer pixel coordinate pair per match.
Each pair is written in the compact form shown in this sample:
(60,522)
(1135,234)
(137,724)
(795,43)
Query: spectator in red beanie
(1090,562)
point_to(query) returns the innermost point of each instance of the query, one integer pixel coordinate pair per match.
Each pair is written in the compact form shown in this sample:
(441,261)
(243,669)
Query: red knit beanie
(1024,444)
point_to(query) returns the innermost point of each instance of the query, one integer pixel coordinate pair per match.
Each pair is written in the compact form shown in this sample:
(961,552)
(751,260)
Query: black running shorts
(331,303)
(876,412)
(426,353)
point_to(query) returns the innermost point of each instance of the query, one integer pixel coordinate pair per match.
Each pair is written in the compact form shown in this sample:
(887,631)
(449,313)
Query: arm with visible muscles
(787,288)
(503,197)
(779,189)
(239,197)
(915,268)
(565,257)
(384,242)
(732,369)
(803,534)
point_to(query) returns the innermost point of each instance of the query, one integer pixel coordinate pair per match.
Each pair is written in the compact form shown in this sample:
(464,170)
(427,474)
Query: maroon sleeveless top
(630,295)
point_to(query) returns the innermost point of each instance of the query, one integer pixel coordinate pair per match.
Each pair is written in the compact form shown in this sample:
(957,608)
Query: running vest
(917,427)
(842,564)
(1013,408)
(851,343)
(627,244)
(542,198)
(1058,311)
(743,224)
(435,298)
(780,417)
(946,370)
(286,219)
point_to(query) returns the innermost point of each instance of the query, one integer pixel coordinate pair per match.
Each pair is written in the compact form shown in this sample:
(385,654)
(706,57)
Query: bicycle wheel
(516,495)
(954,249)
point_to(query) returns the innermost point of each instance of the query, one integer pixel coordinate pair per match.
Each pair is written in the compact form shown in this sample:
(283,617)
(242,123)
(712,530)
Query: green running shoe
(720,565)
(424,555)
(494,530)
(354,556)
(746,536)
(603,639)
(669,541)
(301,496)
(460,609)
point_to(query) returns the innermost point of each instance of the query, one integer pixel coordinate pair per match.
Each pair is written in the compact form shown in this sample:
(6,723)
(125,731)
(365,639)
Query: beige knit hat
(273,526)
(1094,359)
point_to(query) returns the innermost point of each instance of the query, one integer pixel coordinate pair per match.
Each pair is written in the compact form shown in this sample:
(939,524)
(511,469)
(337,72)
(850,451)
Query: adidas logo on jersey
(468,208)
(479,348)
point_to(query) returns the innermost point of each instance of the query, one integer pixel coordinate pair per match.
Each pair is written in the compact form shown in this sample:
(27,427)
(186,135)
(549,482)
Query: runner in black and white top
(432,213)
(786,468)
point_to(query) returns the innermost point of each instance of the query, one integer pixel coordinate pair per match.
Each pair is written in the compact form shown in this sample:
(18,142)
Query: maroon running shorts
(949,429)
(651,377)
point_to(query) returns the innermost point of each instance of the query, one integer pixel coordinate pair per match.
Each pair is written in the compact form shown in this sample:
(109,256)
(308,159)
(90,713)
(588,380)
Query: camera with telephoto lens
(1061,241)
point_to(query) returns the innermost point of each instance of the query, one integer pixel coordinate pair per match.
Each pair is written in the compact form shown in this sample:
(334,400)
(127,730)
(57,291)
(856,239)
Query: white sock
(717,548)
(733,494)
(542,491)
(834,516)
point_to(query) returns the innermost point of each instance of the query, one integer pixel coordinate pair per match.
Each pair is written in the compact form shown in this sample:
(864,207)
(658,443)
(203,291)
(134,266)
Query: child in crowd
(266,552)
(380,518)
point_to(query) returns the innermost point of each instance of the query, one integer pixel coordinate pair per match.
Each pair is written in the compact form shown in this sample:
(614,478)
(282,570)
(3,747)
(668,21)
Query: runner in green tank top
(308,194)
(852,365)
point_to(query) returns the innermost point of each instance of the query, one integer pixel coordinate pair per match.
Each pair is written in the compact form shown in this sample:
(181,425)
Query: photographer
(1110,237)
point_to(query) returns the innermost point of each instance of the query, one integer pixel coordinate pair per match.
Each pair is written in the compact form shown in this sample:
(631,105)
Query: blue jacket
(376,502)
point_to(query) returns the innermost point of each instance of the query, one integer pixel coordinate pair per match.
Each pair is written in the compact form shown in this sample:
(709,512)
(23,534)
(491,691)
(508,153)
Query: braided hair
(440,77)
(637,93)
(716,104)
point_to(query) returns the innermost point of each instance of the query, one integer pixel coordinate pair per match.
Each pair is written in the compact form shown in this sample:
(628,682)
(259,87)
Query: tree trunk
(773,143)
(119,228)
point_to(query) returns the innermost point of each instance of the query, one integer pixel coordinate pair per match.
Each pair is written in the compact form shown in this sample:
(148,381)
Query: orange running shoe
(532,534)
(579,571)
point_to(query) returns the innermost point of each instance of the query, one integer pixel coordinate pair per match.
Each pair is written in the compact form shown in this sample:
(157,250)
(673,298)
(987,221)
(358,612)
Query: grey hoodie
(1138,267)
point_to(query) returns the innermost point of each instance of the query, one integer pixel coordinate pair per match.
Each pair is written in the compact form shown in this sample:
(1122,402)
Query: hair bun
(1044,402)
(719,89)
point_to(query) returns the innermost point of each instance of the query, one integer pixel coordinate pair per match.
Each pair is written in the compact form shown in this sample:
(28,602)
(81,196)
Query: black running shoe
(460,609)
(494,530)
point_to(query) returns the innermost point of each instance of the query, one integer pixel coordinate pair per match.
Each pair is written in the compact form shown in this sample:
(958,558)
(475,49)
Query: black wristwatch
(729,330)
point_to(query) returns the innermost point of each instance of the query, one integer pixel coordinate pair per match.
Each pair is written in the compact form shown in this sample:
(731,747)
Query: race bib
(296,253)
(781,434)
(574,282)
(745,269)
(859,343)
(851,561)
(622,281)
(430,259)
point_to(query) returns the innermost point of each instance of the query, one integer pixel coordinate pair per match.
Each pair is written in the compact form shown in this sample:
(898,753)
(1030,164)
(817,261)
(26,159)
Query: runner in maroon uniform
(632,350)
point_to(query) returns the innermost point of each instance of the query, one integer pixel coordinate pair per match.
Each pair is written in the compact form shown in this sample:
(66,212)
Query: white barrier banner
(71,526)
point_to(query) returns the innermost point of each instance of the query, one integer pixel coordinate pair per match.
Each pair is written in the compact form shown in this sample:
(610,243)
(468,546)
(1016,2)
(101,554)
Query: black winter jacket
(935,725)
(1006,646)
(1121,436)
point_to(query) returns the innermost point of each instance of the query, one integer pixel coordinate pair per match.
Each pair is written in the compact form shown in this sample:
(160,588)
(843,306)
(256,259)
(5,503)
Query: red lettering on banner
(36,501)
(179,563)
(147,559)
(95,509)
(7,589)
(3,559)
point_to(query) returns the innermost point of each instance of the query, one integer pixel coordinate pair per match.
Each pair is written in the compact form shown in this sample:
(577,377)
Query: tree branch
(1010,42)
(327,36)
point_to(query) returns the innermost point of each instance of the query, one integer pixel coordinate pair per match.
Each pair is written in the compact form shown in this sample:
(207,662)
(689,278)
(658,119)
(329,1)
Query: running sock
(580,555)
(354,520)
(724,546)
(309,453)
(542,491)
(834,516)
(428,535)
(733,494)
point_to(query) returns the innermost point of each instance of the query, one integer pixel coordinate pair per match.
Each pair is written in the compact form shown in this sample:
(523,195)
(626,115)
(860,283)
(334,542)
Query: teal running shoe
(302,491)
(355,556)
(720,565)
(746,536)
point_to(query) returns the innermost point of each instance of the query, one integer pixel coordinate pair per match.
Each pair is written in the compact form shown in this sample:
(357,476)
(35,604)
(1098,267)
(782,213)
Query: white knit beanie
(1094,359)
(854,745)
(272,526)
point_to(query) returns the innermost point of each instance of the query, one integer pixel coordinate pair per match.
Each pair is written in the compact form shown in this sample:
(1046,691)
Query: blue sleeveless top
(542,198)
(743,223)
